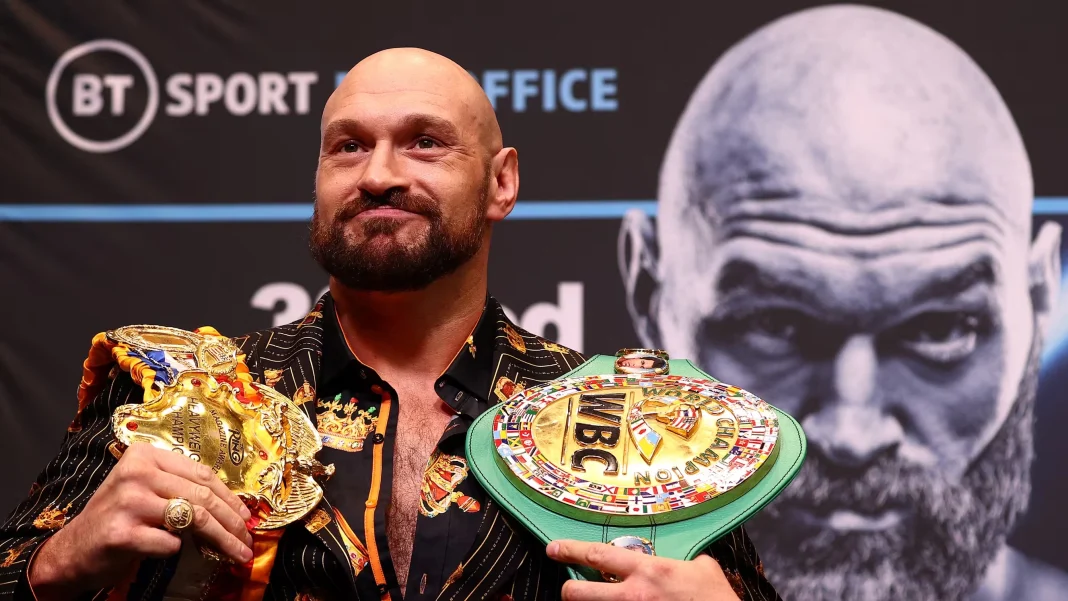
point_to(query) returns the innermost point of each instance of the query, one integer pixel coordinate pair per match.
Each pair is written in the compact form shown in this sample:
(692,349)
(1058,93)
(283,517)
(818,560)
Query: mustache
(394,199)
(888,483)
(954,530)
(892,483)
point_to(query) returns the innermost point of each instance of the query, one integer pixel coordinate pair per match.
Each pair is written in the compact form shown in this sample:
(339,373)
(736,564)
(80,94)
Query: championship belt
(201,403)
(639,451)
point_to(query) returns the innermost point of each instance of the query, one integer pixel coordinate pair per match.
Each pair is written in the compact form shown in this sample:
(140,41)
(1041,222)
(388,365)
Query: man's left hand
(641,576)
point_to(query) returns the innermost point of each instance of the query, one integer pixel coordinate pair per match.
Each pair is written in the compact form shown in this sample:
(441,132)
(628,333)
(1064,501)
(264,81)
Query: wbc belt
(637,450)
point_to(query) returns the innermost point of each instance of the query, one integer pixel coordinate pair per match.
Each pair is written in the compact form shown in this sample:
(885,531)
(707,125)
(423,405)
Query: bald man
(844,226)
(392,366)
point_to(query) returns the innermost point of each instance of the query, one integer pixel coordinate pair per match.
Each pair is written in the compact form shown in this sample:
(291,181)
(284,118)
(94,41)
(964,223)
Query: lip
(385,212)
(841,519)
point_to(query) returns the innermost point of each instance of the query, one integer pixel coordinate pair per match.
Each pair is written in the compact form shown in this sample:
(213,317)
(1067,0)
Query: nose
(382,172)
(849,426)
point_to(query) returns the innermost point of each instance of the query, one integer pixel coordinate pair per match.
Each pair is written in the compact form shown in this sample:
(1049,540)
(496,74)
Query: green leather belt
(668,506)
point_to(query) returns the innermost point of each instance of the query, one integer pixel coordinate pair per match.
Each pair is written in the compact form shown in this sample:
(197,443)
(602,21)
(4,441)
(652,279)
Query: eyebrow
(744,276)
(410,123)
(980,271)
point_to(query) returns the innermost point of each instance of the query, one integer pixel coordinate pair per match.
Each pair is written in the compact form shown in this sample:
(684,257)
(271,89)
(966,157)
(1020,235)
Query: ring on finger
(178,515)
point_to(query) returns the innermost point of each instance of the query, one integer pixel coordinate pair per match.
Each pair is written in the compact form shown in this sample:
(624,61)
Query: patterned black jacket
(290,355)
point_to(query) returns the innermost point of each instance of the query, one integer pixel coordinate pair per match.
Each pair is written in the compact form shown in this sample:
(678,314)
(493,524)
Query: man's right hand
(123,523)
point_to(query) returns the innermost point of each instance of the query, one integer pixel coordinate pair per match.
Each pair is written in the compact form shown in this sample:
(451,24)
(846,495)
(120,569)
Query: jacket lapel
(501,548)
(525,359)
(288,358)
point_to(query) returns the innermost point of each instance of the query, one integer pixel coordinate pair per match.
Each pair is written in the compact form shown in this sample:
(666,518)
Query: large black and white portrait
(844,227)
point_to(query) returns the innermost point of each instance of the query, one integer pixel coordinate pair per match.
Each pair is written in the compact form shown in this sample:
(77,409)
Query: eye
(942,336)
(425,144)
(350,146)
(770,332)
(783,325)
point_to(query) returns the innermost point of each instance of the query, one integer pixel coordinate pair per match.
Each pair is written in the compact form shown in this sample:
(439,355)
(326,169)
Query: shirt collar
(471,369)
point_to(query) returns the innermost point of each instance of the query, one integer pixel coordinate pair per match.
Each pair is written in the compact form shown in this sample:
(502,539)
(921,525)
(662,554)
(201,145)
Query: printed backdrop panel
(158,167)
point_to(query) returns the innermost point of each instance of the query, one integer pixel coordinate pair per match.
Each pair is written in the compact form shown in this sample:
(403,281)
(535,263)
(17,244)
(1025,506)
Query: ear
(639,266)
(504,171)
(1044,267)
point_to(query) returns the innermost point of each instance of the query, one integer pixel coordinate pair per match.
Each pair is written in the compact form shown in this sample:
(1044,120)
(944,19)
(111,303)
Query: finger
(154,542)
(614,560)
(208,530)
(169,486)
(180,465)
(581,590)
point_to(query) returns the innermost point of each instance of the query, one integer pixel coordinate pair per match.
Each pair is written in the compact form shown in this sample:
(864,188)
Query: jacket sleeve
(62,489)
(741,564)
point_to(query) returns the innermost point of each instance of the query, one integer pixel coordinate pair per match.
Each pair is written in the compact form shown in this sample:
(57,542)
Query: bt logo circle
(90,92)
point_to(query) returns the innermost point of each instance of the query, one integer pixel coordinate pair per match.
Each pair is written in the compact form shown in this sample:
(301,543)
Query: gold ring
(631,543)
(178,515)
(648,351)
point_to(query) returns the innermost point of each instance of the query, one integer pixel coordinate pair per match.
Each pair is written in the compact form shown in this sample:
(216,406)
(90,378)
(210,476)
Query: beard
(378,265)
(941,551)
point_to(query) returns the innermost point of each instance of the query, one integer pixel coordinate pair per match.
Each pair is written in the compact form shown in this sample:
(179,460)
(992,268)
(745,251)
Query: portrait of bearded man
(844,227)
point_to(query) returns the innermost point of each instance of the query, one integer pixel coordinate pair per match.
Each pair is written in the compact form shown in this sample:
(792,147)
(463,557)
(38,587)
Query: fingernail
(552,548)
(246,555)
(248,540)
(245,513)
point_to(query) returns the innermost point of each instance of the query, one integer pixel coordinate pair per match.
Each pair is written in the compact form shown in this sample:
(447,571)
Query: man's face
(402,185)
(869,279)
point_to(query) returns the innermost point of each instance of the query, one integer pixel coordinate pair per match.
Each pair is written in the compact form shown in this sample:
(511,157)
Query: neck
(413,333)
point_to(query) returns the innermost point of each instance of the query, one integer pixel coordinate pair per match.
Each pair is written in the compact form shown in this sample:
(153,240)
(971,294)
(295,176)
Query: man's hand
(122,523)
(642,577)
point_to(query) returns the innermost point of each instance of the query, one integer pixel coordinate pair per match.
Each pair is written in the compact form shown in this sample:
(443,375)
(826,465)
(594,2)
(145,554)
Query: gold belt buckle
(263,450)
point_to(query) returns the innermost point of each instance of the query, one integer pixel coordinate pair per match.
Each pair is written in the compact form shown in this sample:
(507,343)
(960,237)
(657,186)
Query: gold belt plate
(625,448)
(264,451)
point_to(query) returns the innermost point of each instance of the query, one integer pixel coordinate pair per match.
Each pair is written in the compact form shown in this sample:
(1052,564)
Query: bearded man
(402,354)
(844,226)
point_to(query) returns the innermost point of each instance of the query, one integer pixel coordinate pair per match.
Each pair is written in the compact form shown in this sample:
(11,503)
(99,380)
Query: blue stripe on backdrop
(200,213)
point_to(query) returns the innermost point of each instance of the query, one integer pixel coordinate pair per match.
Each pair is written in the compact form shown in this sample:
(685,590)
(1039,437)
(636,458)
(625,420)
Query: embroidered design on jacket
(13,554)
(342,426)
(515,339)
(271,376)
(358,556)
(316,521)
(51,518)
(505,388)
(443,474)
(552,347)
(304,394)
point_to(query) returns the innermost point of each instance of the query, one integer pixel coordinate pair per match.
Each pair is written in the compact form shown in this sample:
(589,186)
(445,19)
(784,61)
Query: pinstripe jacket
(504,563)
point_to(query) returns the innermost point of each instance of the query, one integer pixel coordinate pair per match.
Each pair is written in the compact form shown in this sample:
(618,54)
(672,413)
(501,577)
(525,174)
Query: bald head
(412,175)
(858,109)
(406,72)
(844,228)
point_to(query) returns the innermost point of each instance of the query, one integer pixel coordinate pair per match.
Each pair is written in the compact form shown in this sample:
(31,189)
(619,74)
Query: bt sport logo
(111,95)
(103,95)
